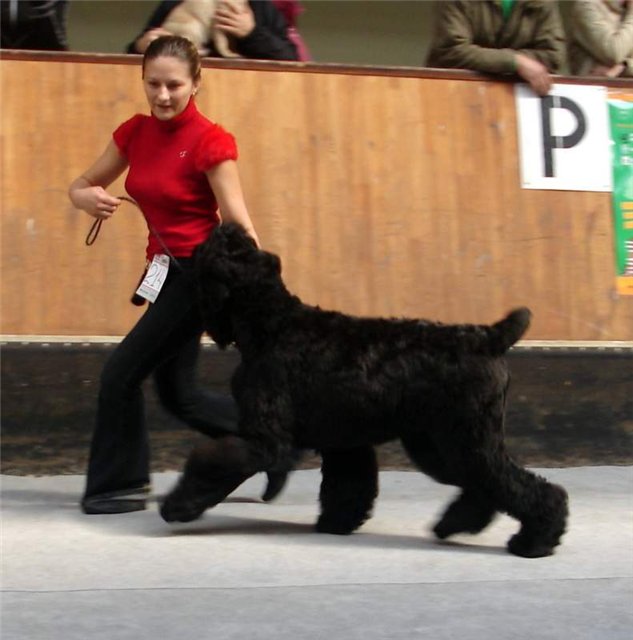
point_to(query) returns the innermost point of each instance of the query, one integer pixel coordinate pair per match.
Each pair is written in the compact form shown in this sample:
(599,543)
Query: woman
(181,169)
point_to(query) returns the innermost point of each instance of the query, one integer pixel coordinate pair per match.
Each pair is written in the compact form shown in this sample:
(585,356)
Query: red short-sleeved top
(167,164)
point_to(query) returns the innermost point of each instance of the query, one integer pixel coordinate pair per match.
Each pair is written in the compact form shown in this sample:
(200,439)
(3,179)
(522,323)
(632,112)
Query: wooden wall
(385,193)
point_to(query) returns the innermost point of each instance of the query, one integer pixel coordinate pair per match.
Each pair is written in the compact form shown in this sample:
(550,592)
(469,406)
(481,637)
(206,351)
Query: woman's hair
(175,47)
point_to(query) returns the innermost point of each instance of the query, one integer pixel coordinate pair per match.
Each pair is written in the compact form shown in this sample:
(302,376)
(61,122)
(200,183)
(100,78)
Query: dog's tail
(506,332)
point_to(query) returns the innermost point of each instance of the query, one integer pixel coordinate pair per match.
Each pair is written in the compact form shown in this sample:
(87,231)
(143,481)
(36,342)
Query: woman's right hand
(87,193)
(95,201)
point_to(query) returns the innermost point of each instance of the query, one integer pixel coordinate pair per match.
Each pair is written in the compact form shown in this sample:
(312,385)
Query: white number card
(154,278)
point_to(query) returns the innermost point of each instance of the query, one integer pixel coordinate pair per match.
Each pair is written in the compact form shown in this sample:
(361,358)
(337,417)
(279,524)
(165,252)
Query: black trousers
(165,341)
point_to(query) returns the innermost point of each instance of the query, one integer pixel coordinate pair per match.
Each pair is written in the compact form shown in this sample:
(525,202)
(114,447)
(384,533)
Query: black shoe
(123,501)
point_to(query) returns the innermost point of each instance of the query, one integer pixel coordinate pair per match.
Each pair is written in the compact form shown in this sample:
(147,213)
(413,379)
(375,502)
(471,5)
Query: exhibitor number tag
(154,278)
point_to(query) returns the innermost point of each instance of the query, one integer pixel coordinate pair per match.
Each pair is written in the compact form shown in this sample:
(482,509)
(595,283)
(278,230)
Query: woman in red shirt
(181,170)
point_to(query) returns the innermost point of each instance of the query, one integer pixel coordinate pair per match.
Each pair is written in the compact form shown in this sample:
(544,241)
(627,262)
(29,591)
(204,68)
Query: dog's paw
(525,548)
(442,531)
(276,482)
(176,510)
(465,522)
(335,527)
(192,497)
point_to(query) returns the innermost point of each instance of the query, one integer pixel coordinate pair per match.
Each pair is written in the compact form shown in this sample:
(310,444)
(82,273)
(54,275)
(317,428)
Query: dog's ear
(220,328)
(210,258)
(214,302)
(270,263)
(213,295)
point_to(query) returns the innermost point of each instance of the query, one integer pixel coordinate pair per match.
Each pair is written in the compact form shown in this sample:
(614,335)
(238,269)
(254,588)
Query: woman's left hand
(225,183)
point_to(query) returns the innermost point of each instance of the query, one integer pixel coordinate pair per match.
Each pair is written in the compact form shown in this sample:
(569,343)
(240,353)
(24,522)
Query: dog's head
(227,261)
(231,258)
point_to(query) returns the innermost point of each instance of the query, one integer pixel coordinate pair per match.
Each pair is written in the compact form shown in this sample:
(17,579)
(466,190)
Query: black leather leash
(96,228)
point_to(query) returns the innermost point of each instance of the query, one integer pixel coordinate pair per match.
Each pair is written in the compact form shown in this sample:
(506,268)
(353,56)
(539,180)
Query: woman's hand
(88,192)
(95,201)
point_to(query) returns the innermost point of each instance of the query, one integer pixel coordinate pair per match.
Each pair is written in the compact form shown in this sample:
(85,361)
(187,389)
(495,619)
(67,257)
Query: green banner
(621,118)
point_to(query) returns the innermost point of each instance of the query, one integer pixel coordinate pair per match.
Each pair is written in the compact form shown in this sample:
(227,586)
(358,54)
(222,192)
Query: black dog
(338,384)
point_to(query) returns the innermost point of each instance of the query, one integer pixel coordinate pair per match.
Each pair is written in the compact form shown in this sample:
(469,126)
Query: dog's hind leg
(348,489)
(484,465)
(540,506)
(495,480)
(471,512)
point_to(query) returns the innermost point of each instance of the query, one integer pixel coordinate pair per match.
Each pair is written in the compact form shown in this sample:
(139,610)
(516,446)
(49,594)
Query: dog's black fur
(338,384)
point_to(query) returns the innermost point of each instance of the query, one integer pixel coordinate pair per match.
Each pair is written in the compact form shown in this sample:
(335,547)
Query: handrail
(300,67)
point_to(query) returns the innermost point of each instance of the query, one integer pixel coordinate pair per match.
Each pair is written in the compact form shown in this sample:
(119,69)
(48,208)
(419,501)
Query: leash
(93,233)
(96,225)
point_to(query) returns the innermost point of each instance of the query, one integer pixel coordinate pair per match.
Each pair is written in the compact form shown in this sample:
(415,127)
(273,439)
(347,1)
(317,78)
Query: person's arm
(535,73)
(152,29)
(225,183)
(548,43)
(88,191)
(453,45)
(609,44)
(260,31)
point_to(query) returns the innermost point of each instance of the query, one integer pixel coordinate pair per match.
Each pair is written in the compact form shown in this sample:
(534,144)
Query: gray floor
(250,570)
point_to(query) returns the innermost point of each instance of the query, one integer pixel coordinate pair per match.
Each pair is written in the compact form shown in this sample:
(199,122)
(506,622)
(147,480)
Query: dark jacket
(267,41)
(33,24)
(473,35)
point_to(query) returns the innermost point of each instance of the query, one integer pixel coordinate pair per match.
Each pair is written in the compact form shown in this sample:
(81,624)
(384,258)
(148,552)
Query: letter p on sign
(564,138)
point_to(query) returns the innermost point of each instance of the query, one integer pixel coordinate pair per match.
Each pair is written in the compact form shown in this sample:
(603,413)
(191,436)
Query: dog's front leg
(348,489)
(213,470)
(267,417)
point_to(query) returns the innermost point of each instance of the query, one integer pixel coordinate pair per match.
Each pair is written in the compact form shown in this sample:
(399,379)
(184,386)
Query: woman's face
(168,86)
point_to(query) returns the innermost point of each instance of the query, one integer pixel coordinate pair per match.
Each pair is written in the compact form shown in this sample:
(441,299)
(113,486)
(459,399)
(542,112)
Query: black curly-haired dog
(323,380)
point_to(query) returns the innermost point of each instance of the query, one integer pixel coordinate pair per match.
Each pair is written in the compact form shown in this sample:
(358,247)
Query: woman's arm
(88,191)
(225,182)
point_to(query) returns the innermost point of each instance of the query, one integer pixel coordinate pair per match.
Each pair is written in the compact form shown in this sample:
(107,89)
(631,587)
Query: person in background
(33,24)
(505,37)
(260,31)
(291,10)
(183,175)
(601,38)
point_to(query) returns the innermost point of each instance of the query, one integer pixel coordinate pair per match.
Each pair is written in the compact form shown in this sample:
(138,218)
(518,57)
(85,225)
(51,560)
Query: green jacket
(473,35)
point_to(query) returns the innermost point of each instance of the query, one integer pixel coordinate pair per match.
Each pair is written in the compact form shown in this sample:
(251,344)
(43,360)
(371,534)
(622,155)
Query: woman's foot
(122,501)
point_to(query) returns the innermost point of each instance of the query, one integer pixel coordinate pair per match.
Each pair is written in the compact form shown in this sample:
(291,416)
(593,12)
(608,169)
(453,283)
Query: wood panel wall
(391,194)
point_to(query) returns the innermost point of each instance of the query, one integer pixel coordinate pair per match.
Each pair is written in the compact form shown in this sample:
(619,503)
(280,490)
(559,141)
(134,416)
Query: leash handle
(96,227)
(94,232)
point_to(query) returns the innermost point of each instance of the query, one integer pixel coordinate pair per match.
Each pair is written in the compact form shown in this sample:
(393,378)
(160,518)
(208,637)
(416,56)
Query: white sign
(564,138)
